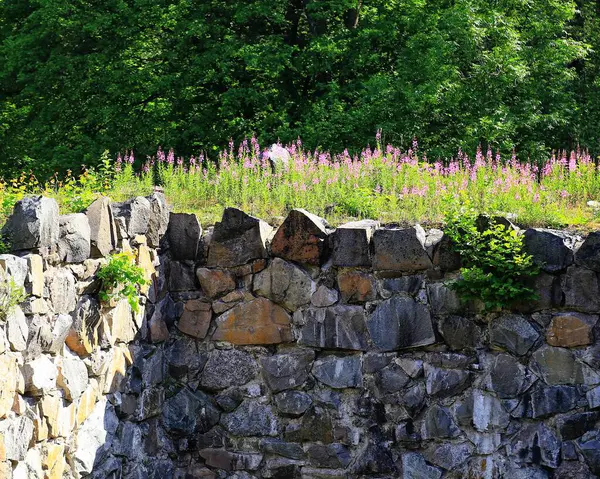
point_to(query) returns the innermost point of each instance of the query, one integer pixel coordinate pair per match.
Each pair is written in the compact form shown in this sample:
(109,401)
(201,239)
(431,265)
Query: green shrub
(495,265)
(10,295)
(121,278)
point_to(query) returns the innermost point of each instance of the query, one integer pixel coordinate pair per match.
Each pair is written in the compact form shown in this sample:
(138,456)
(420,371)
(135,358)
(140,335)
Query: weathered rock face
(136,214)
(33,224)
(552,250)
(258,322)
(400,250)
(400,323)
(238,239)
(301,238)
(103,231)
(273,366)
(74,244)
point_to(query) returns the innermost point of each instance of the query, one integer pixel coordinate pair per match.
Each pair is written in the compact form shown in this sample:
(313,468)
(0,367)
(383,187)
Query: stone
(60,284)
(15,268)
(556,366)
(415,467)
(83,335)
(399,323)
(195,319)
(547,288)
(34,283)
(581,290)
(188,412)
(182,276)
(290,450)
(315,426)
(292,403)
(301,238)
(576,425)
(571,329)
(552,250)
(410,285)
(159,218)
(17,330)
(54,460)
(231,461)
(33,224)
(94,437)
(17,433)
(8,382)
(507,377)
(40,375)
(120,360)
(237,239)
(287,371)
(449,456)
(72,376)
(185,236)
(391,379)
(513,333)
(351,243)
(438,424)
(589,445)
(593,397)
(535,443)
(588,254)
(87,401)
(460,333)
(330,456)
(356,287)
(74,242)
(285,284)
(228,367)
(103,231)
(488,412)
(251,419)
(548,400)
(136,212)
(400,250)
(339,372)
(215,282)
(445,256)
(445,382)
(443,299)
(336,327)
(256,322)
(186,362)
(324,296)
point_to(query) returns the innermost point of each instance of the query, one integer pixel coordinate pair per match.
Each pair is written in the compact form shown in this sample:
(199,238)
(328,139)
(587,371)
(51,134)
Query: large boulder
(581,290)
(33,224)
(399,323)
(552,250)
(301,238)
(285,283)
(400,250)
(184,234)
(237,239)
(351,243)
(74,243)
(103,231)
(136,212)
(62,293)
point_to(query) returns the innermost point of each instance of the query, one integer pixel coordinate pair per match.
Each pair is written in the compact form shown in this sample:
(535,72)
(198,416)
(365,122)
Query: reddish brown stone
(356,287)
(215,282)
(300,238)
(195,319)
(257,322)
(571,329)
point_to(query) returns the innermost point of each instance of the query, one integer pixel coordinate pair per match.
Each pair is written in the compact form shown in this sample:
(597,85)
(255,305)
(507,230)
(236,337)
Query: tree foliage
(81,76)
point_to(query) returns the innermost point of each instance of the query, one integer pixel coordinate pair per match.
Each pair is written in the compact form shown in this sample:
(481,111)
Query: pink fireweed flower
(118,163)
(171,157)
(536,198)
(564,193)
(160,155)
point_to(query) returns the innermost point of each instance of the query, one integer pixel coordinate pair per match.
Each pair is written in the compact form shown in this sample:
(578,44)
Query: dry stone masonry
(296,352)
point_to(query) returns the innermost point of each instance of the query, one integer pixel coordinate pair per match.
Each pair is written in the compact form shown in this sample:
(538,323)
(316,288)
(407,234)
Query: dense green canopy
(78,77)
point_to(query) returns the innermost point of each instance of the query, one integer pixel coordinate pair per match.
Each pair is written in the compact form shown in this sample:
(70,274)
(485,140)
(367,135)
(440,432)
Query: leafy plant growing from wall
(121,278)
(10,295)
(495,265)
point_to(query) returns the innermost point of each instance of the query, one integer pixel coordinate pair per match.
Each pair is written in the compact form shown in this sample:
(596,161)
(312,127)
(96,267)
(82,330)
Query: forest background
(84,76)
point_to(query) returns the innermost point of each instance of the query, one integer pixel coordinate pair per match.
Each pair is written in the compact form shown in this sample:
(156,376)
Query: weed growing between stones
(495,265)
(11,295)
(121,278)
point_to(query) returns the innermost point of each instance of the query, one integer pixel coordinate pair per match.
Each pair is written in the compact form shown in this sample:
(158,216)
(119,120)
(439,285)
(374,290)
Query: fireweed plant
(384,182)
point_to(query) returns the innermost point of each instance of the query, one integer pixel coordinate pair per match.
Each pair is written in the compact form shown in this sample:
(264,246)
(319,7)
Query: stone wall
(63,354)
(297,352)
